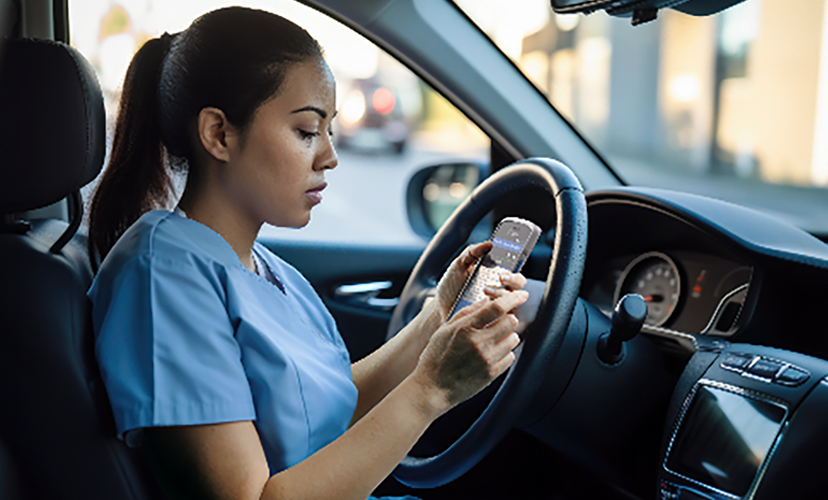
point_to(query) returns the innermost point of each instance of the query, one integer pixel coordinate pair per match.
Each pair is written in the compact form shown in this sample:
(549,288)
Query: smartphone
(513,240)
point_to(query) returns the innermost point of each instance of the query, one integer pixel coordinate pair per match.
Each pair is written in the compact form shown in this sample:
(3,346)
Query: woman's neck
(225,218)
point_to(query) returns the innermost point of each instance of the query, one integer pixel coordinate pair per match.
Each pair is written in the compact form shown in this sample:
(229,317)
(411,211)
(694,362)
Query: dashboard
(724,393)
(707,268)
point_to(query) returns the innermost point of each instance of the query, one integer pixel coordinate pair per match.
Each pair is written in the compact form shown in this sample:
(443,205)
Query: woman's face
(279,170)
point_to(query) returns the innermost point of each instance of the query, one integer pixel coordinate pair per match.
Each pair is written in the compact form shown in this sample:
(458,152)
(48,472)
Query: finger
(469,309)
(504,346)
(493,292)
(501,366)
(497,308)
(501,328)
(494,341)
(473,253)
(513,281)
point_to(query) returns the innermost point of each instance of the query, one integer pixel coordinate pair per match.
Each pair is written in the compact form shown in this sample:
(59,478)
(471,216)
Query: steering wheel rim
(544,337)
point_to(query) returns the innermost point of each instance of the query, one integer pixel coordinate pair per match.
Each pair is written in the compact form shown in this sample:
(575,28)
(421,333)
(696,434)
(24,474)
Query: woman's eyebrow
(319,111)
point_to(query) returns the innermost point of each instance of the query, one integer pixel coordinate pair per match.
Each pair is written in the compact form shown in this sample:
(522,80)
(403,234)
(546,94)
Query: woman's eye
(307,135)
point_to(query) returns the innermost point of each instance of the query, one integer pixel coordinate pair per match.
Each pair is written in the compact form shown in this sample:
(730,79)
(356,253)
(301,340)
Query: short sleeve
(166,346)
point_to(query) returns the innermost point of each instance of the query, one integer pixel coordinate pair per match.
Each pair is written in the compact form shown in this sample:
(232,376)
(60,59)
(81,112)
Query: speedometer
(655,277)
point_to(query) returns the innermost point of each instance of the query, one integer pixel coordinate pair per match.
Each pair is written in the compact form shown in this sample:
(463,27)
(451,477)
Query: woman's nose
(328,158)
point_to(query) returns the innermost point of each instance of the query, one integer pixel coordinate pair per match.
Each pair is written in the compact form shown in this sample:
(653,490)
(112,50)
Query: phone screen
(512,242)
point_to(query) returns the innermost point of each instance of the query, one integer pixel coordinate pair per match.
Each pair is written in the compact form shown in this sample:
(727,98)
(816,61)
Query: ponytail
(137,178)
(234,59)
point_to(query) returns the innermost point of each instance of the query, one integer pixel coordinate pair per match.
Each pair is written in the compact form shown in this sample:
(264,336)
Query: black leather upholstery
(53,128)
(56,427)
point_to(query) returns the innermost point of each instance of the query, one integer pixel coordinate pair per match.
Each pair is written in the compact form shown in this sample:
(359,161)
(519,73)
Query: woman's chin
(293,223)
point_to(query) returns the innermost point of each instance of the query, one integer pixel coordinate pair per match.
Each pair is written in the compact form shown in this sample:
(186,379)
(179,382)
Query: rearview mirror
(434,192)
(642,11)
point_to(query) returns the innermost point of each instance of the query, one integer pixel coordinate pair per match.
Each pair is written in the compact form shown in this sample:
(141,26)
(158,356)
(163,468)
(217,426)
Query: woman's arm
(381,371)
(226,461)
(378,373)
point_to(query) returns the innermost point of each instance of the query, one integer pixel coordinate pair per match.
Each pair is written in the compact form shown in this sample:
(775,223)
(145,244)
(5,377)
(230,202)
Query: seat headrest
(52,124)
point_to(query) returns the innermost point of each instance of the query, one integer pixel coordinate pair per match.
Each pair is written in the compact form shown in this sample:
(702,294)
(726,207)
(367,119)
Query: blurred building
(743,93)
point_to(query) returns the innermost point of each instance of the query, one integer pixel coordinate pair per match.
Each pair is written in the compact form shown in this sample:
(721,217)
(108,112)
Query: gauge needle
(653,298)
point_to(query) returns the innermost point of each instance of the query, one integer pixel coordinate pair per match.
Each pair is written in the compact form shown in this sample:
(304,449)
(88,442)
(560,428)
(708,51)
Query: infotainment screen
(724,438)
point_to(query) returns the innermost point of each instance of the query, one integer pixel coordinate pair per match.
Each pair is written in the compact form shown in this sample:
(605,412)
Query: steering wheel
(542,339)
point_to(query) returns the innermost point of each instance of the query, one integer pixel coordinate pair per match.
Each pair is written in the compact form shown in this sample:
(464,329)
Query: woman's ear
(215,133)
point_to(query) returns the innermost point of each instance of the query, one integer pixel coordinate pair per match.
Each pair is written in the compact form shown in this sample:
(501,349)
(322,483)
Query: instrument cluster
(685,291)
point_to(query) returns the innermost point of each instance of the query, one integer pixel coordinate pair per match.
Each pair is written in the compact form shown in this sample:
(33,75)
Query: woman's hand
(459,271)
(379,373)
(471,350)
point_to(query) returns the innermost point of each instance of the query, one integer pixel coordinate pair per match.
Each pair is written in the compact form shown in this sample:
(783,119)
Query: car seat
(55,423)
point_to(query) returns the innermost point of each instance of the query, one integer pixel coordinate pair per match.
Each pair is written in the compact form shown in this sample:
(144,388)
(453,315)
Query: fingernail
(489,290)
(524,294)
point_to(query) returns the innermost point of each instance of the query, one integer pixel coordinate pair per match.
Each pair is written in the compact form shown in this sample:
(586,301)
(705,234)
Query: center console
(746,422)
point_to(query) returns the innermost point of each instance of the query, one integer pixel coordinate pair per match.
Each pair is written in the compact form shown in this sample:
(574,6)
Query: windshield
(732,106)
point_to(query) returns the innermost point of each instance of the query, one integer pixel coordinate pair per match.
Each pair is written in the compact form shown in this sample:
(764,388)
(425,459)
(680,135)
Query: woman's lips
(315,194)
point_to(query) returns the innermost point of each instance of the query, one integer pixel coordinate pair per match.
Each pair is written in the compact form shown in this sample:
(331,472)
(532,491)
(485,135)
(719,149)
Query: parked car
(721,392)
(376,116)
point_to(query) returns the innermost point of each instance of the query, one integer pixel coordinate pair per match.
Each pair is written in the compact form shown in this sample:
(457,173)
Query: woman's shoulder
(163,238)
(166,236)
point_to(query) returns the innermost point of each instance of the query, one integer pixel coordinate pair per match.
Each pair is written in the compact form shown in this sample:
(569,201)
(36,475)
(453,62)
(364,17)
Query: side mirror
(434,192)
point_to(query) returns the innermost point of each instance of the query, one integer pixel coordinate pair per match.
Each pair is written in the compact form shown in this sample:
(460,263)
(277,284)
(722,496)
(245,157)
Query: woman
(217,355)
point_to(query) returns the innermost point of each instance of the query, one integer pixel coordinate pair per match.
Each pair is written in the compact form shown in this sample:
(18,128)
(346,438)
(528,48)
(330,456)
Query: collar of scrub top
(262,269)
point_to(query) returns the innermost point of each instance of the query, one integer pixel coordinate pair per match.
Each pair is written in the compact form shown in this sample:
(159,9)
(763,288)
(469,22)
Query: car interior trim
(38,19)
(686,340)
(722,304)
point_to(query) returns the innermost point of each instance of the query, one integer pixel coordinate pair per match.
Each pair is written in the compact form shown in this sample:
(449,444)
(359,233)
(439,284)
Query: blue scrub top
(185,335)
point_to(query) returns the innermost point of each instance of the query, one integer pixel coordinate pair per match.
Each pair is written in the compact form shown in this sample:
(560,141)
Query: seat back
(55,423)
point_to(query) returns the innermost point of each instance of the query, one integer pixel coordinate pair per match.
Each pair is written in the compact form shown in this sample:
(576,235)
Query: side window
(390,123)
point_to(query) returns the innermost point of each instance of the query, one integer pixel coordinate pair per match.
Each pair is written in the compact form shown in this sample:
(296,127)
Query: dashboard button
(736,362)
(792,376)
(764,368)
(668,492)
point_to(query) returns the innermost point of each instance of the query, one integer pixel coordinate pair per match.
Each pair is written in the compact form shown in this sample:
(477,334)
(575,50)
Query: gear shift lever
(627,320)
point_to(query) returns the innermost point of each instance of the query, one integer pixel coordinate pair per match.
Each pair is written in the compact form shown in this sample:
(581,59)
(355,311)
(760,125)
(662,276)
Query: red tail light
(383,101)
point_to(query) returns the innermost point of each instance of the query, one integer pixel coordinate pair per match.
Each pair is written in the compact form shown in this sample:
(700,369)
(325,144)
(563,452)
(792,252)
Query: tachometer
(655,277)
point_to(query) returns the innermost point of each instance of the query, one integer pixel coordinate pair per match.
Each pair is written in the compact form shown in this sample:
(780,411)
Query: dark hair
(233,59)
